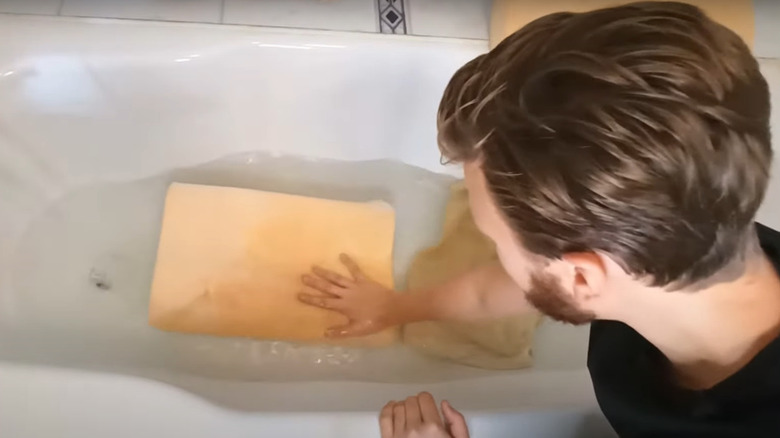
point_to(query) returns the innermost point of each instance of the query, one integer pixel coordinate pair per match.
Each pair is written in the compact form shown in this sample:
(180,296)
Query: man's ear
(590,275)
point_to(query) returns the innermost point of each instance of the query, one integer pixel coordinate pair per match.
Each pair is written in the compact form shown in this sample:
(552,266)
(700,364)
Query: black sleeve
(770,243)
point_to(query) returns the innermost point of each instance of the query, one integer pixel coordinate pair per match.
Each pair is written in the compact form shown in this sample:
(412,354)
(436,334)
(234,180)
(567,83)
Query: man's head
(611,149)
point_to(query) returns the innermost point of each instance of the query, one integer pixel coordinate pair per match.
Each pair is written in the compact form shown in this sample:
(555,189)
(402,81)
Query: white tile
(767,37)
(208,11)
(449,18)
(41,7)
(769,213)
(349,15)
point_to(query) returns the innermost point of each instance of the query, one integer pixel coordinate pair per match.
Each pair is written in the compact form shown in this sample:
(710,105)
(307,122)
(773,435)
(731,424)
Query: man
(617,159)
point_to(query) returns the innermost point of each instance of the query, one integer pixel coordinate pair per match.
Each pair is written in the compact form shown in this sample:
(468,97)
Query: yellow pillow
(230,260)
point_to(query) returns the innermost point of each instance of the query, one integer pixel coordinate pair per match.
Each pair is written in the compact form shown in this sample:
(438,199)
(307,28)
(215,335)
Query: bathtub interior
(99,116)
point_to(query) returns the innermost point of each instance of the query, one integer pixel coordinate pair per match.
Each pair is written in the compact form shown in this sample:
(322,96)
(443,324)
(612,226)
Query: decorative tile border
(431,17)
(392,16)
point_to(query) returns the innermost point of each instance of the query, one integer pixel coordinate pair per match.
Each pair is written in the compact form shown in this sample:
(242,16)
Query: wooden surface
(229,261)
(510,15)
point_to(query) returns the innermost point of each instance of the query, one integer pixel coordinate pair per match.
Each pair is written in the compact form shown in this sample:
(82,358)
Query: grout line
(407,21)
(221,13)
(404,5)
(144,20)
(262,26)
(378,15)
(62,6)
(378,18)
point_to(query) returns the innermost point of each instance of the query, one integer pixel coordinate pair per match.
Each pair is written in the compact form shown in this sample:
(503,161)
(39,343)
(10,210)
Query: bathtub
(98,116)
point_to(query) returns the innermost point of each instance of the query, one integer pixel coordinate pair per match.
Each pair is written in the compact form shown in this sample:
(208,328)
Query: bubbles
(262,353)
(274,354)
(321,355)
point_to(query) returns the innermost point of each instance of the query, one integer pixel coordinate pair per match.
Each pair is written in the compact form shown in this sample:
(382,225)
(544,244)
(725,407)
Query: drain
(99,279)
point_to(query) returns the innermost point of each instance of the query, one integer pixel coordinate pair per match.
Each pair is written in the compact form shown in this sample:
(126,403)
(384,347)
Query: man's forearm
(485,292)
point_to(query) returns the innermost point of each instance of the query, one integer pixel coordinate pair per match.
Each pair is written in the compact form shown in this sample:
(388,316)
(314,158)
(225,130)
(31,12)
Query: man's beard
(548,296)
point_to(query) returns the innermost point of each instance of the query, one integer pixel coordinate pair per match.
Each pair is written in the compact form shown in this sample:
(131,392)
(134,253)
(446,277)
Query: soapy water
(82,273)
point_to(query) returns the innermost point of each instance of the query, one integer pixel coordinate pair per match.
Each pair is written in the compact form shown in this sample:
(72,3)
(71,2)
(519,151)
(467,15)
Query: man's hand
(369,306)
(418,417)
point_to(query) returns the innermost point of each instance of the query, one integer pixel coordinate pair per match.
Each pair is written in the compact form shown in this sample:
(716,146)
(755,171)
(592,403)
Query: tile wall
(442,18)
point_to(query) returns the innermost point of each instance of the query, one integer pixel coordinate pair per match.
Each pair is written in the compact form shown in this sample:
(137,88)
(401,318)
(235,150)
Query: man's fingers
(455,421)
(350,330)
(386,420)
(322,285)
(353,267)
(413,415)
(320,301)
(331,276)
(399,417)
(428,409)
(341,331)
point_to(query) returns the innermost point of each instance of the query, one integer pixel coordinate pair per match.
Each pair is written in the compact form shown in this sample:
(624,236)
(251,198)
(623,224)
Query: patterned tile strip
(392,16)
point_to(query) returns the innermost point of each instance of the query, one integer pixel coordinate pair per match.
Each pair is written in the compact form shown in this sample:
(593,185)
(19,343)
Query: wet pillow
(229,261)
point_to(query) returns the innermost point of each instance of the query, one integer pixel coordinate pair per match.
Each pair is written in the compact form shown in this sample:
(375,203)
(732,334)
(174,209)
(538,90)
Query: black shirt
(638,397)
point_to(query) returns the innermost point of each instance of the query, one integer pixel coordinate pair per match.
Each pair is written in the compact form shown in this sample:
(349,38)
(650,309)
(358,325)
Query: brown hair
(641,131)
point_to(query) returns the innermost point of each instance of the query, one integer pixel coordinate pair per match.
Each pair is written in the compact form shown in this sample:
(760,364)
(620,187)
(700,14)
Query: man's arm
(485,292)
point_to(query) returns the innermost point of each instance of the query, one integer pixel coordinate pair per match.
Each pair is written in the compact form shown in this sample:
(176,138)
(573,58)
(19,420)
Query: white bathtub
(96,116)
